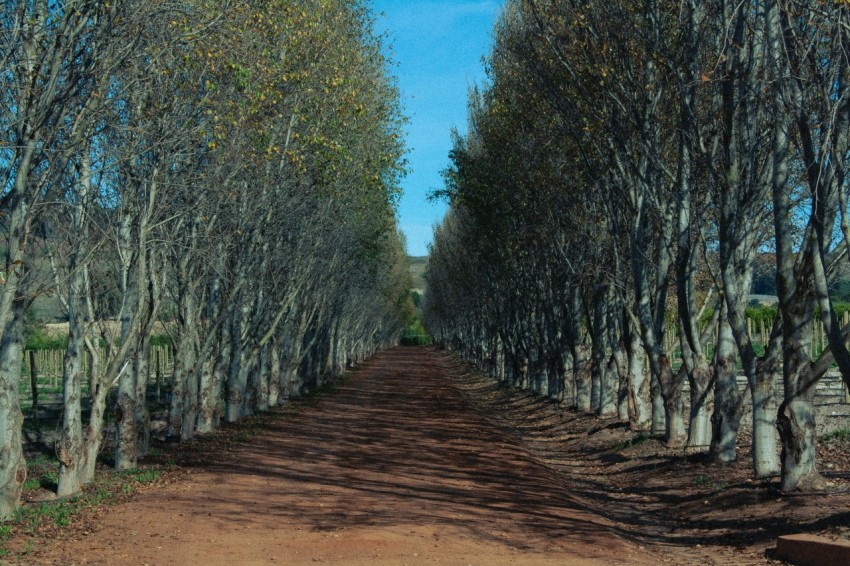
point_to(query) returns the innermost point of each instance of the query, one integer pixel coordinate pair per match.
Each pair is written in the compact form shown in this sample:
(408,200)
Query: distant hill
(417,270)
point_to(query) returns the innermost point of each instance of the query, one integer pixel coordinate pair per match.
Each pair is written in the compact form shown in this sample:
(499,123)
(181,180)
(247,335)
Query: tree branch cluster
(626,166)
(220,171)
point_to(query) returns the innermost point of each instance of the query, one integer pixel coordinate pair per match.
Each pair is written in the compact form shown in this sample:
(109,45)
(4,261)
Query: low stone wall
(832,403)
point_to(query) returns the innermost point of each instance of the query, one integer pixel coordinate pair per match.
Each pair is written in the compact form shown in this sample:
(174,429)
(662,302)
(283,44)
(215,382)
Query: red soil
(417,460)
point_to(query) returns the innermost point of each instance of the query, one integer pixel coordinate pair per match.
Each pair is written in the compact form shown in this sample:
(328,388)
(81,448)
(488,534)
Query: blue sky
(438,46)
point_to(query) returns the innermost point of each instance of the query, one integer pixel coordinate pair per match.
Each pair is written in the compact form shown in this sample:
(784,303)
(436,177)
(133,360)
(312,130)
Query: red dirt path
(398,466)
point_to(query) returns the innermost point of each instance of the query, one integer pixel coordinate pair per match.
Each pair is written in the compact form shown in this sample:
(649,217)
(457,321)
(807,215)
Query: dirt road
(396,467)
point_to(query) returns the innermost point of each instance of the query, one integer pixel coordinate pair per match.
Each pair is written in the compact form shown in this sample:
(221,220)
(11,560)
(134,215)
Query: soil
(416,459)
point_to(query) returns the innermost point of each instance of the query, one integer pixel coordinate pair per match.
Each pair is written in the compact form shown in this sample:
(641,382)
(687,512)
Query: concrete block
(811,550)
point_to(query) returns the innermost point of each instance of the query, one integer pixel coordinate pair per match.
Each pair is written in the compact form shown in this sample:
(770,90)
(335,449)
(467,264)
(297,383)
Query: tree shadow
(418,439)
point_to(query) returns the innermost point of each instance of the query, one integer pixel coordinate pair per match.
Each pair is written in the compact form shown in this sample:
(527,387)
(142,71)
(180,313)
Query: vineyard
(759,324)
(42,372)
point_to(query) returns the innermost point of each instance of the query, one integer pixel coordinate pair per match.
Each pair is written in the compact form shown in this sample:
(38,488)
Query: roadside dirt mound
(414,459)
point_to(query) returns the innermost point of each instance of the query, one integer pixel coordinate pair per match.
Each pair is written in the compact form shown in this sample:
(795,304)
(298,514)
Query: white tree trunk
(13,469)
(765,459)
(726,418)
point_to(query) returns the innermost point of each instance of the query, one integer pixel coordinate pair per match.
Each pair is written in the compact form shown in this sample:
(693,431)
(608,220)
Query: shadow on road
(399,445)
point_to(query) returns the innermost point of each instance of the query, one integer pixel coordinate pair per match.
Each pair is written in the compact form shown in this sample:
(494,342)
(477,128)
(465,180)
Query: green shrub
(160,340)
(840,308)
(842,434)
(38,339)
(758,313)
(415,335)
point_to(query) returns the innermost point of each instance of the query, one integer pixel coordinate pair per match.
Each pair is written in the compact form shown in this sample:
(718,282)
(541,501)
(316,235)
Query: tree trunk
(274,373)
(94,432)
(555,375)
(765,460)
(569,382)
(141,414)
(582,377)
(126,435)
(69,448)
(608,388)
(186,383)
(189,419)
(13,469)
(522,379)
(659,419)
(726,418)
(210,388)
(260,379)
(796,424)
(237,376)
(600,350)
(640,411)
(699,429)
(293,382)
(177,406)
(674,433)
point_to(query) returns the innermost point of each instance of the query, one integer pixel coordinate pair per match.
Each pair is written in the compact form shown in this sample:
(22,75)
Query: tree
(226,170)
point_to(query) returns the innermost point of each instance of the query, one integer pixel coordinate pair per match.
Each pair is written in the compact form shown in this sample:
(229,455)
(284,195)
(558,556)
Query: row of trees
(624,167)
(229,168)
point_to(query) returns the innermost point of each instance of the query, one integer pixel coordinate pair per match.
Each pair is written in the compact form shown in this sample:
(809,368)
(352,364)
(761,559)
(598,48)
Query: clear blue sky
(438,46)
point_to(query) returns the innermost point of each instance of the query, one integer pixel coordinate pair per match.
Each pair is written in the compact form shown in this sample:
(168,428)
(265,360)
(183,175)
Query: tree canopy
(627,168)
(228,169)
